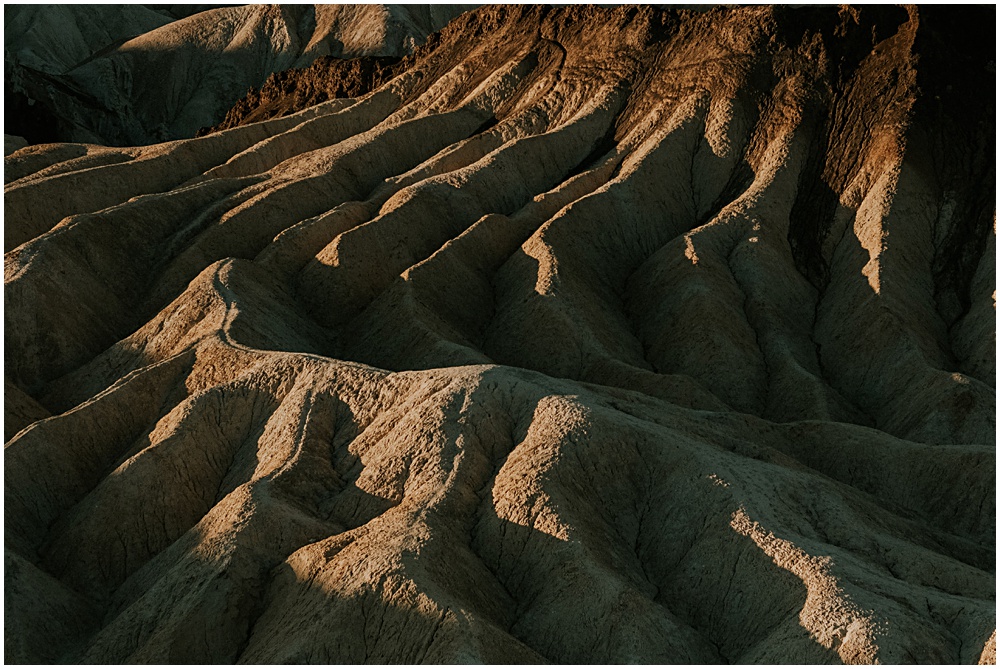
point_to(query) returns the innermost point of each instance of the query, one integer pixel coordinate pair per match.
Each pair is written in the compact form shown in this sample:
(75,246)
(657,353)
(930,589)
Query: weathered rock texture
(596,335)
(328,78)
(118,75)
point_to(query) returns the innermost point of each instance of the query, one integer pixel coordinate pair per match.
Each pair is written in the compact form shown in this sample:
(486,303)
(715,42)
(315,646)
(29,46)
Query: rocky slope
(295,89)
(107,75)
(594,335)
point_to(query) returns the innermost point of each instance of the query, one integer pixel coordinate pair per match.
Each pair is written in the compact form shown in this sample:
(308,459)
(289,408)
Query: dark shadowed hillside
(138,74)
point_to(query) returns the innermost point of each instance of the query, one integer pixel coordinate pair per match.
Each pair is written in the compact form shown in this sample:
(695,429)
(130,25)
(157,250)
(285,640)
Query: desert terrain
(559,335)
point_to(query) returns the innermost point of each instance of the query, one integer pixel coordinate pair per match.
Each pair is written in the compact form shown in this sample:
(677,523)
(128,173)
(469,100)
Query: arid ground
(572,335)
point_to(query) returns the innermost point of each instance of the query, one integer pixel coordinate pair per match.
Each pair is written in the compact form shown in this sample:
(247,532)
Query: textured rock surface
(113,75)
(327,78)
(596,335)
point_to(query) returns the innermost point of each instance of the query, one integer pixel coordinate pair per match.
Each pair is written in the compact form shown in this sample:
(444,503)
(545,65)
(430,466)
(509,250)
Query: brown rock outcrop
(328,78)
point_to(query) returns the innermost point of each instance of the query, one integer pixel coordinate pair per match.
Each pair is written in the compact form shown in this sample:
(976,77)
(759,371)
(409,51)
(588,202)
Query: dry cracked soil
(573,335)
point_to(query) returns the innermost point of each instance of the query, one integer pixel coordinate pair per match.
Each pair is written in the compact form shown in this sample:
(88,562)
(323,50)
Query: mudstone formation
(137,74)
(587,335)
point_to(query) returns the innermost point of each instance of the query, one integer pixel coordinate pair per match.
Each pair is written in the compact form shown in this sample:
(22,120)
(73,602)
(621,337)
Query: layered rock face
(594,335)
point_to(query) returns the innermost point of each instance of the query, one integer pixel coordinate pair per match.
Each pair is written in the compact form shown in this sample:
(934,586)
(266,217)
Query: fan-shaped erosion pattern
(594,335)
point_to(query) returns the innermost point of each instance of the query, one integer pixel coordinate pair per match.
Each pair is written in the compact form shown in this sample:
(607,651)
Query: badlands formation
(126,74)
(590,335)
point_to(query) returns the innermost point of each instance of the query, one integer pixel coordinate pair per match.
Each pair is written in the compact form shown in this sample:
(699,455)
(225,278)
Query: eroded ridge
(680,349)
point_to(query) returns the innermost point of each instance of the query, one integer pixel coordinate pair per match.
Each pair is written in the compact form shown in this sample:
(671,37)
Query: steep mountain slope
(44,42)
(54,39)
(595,335)
(142,79)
